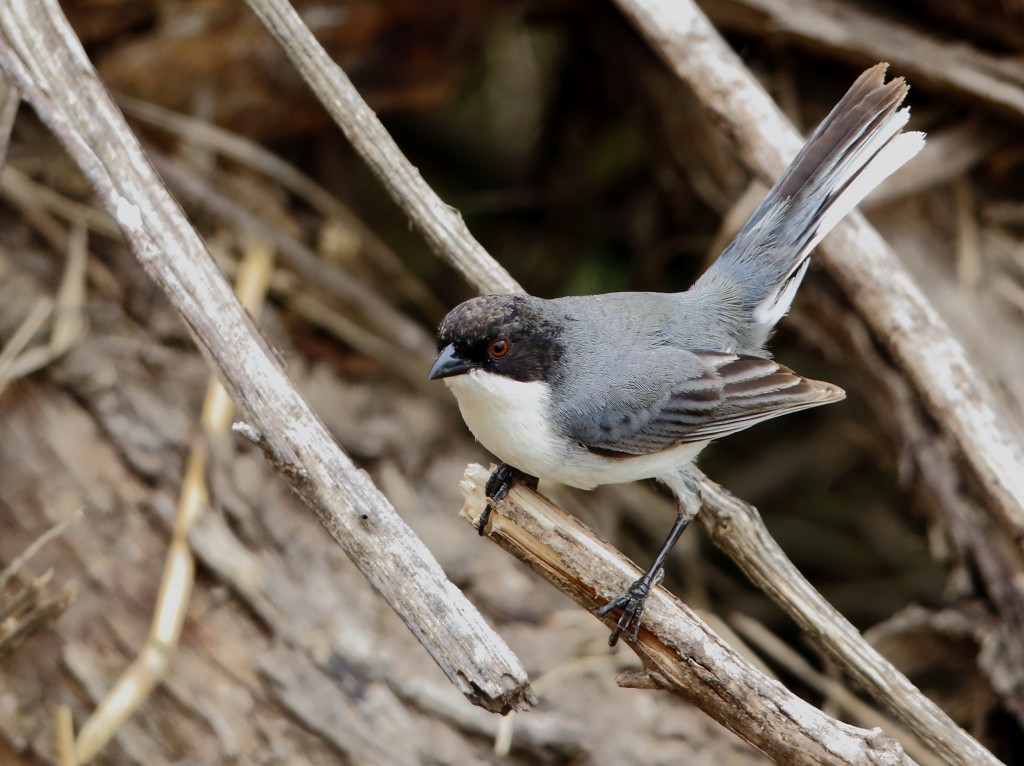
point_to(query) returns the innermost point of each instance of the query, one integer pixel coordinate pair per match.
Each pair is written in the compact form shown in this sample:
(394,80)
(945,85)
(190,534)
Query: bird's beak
(447,364)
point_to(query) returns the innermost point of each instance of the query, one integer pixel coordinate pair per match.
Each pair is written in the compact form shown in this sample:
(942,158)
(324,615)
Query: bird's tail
(854,149)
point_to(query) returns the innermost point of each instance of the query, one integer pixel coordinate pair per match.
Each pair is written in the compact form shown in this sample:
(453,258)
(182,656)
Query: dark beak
(447,364)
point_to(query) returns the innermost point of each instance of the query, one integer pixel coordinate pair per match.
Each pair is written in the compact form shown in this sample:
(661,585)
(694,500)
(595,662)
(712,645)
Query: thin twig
(23,613)
(36,545)
(22,187)
(68,313)
(23,335)
(782,653)
(968,246)
(65,727)
(407,334)
(736,528)
(250,154)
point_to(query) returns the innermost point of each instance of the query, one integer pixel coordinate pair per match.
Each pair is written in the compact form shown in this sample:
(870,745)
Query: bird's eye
(499,348)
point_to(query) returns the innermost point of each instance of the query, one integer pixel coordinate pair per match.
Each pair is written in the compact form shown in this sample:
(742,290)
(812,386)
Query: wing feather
(725,393)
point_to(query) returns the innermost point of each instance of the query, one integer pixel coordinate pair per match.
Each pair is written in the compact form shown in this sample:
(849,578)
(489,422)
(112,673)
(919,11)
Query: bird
(619,387)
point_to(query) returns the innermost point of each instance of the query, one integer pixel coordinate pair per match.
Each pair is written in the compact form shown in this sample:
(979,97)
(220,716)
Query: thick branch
(41,55)
(680,652)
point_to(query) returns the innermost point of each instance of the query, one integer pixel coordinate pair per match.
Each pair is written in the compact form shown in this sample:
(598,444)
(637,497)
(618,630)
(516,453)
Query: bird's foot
(632,604)
(498,485)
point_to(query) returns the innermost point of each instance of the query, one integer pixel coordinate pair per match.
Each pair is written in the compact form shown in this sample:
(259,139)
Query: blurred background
(583,166)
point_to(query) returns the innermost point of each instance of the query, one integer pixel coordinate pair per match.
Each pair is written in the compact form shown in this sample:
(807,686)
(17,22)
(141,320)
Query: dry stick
(13,348)
(849,31)
(40,53)
(680,652)
(68,315)
(25,613)
(37,545)
(859,259)
(65,727)
(359,122)
(21,188)
(27,194)
(17,359)
(440,224)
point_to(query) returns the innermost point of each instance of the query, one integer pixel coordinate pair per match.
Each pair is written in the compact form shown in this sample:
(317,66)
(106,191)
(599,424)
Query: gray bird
(603,389)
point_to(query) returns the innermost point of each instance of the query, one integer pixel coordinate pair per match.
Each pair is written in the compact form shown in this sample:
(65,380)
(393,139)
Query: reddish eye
(499,348)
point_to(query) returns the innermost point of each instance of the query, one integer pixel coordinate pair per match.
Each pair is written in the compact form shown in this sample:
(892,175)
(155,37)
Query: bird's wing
(646,412)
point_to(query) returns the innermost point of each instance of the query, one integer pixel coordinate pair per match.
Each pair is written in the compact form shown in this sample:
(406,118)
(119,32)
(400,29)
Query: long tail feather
(854,149)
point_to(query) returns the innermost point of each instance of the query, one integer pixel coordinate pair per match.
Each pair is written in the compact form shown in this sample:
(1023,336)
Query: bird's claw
(501,481)
(632,604)
(498,485)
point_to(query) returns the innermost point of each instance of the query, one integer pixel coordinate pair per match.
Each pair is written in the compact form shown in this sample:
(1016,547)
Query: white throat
(511,419)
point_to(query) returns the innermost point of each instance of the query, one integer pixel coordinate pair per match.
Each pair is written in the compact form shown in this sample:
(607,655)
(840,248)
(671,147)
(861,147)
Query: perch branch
(41,55)
(679,651)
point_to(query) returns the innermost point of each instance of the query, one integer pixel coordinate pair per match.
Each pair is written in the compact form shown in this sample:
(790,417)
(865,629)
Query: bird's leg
(687,491)
(632,602)
(499,484)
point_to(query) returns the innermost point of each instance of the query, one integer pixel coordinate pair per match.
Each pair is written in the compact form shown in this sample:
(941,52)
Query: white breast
(511,419)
